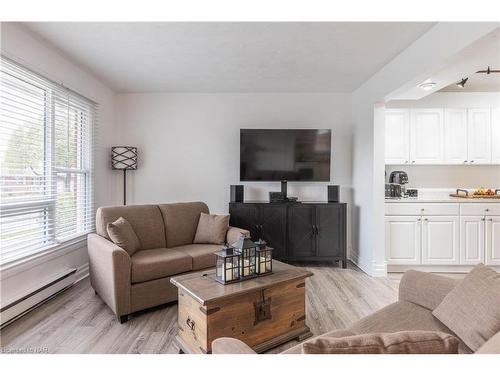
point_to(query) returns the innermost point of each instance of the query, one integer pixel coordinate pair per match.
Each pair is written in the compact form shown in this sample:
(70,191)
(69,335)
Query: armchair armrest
(424,289)
(227,345)
(110,268)
(234,233)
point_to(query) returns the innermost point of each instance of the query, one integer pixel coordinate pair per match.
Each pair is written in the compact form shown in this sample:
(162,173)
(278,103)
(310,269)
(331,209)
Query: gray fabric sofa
(419,294)
(166,231)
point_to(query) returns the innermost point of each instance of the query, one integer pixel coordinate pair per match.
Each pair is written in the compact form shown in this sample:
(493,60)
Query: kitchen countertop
(442,200)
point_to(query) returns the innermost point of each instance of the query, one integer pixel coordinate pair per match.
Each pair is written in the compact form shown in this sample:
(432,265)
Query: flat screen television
(285,154)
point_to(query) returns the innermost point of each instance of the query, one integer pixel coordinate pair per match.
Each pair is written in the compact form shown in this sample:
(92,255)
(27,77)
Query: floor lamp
(124,158)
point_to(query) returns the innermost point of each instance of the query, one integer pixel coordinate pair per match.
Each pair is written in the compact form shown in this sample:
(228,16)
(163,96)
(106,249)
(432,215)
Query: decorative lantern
(227,269)
(248,261)
(264,258)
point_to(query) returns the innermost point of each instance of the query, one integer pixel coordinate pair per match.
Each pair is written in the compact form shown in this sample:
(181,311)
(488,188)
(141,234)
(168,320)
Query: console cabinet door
(426,136)
(245,216)
(440,240)
(273,227)
(493,240)
(397,136)
(330,238)
(455,136)
(403,239)
(301,236)
(479,136)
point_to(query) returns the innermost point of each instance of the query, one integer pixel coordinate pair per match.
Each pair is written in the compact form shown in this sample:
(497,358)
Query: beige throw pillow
(212,229)
(472,309)
(404,342)
(122,234)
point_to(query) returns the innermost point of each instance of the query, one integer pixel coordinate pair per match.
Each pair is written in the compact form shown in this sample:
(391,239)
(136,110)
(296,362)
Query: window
(46,178)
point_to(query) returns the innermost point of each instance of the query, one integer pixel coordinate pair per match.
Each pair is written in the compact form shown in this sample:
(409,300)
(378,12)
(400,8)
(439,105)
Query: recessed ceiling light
(427,85)
(462,82)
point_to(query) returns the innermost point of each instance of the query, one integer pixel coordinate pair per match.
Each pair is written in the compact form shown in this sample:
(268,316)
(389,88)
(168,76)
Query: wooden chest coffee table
(263,312)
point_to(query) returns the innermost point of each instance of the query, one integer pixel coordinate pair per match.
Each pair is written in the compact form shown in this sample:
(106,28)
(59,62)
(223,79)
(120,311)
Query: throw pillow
(404,342)
(212,229)
(472,309)
(122,234)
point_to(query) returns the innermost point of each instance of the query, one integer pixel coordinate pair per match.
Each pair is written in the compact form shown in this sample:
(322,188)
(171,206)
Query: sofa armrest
(492,346)
(424,289)
(110,268)
(227,345)
(234,233)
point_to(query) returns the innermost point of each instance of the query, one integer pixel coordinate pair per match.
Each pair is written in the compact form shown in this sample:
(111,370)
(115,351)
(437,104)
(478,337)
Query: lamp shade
(124,157)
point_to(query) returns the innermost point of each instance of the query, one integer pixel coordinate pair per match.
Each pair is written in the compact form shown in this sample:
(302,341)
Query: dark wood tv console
(307,231)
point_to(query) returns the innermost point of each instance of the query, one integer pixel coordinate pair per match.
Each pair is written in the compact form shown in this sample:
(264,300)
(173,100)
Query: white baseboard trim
(82,272)
(372,269)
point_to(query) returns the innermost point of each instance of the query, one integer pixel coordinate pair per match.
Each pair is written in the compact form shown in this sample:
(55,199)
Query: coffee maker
(400,178)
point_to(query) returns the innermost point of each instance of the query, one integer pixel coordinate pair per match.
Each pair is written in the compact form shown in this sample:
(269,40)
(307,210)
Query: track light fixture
(488,71)
(462,82)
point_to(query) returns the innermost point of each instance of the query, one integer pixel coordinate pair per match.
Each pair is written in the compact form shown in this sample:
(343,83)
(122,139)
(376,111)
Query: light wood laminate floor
(77,321)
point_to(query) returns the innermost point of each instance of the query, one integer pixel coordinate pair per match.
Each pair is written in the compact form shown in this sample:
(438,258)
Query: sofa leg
(123,319)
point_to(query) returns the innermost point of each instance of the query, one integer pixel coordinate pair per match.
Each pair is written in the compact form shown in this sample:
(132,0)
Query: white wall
(189,143)
(19,44)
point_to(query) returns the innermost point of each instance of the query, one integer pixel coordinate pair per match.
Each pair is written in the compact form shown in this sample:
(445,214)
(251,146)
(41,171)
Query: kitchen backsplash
(448,176)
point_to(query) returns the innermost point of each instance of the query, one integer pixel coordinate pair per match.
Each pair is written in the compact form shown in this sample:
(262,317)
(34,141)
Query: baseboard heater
(23,305)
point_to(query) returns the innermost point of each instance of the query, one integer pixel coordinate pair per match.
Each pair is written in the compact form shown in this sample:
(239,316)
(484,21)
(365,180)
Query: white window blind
(46,156)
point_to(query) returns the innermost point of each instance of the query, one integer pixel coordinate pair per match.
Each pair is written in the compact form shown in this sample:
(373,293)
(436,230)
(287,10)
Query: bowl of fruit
(485,193)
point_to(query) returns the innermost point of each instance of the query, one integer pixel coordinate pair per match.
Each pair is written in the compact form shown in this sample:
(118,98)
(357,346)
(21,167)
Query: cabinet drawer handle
(190,323)
(426,219)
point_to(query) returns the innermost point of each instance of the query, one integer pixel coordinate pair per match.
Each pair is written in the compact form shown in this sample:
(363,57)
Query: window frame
(47,201)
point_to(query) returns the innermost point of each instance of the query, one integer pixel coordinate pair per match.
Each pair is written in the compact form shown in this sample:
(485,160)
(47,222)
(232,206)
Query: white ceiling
(231,57)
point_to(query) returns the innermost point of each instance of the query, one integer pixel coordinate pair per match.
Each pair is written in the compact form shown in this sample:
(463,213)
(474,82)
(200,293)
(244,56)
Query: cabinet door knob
(419,219)
(465,161)
(426,219)
(406,162)
(472,161)
(486,209)
(483,219)
(413,161)
(490,219)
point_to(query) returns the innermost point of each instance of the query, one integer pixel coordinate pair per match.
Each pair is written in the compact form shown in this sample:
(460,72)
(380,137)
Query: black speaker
(333,193)
(236,193)
(284,189)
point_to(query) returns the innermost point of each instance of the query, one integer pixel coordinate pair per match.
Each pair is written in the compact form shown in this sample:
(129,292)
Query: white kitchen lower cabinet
(493,240)
(440,240)
(472,239)
(403,239)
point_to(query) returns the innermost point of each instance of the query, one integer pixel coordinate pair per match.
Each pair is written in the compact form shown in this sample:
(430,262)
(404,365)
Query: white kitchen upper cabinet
(479,136)
(455,136)
(426,136)
(403,239)
(397,136)
(440,240)
(493,240)
(472,239)
(495,135)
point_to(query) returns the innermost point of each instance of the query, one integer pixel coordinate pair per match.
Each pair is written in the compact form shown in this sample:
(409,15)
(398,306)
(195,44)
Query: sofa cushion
(402,316)
(145,219)
(297,349)
(472,309)
(181,221)
(405,342)
(121,233)
(202,255)
(157,263)
(212,229)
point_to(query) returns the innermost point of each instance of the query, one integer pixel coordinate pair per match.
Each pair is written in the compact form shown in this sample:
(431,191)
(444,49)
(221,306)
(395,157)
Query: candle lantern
(227,269)
(248,257)
(264,258)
